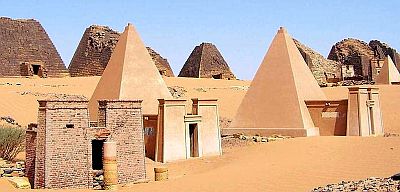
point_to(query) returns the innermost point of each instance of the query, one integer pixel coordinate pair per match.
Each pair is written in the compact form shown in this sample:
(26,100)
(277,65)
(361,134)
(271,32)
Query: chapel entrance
(194,141)
(36,69)
(217,76)
(97,154)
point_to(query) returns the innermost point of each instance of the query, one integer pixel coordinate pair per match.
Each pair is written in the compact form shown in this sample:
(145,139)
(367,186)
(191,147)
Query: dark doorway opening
(97,154)
(194,144)
(36,69)
(217,76)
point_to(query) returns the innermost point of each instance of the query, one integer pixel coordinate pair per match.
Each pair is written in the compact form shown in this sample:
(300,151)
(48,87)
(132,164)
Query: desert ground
(297,164)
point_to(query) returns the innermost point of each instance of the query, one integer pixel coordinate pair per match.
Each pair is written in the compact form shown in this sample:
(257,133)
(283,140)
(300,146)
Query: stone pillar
(364,115)
(171,132)
(110,165)
(124,120)
(210,130)
(30,149)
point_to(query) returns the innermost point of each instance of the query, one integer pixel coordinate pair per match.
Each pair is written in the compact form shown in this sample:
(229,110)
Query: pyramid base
(293,132)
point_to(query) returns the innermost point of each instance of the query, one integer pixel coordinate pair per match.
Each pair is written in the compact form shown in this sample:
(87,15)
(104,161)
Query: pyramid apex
(282,30)
(129,26)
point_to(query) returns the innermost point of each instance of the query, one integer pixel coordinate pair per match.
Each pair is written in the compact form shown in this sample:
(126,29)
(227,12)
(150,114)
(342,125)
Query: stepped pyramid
(206,61)
(389,73)
(274,103)
(130,74)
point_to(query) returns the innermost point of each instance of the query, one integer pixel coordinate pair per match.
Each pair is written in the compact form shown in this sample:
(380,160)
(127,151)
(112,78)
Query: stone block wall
(124,120)
(62,147)
(30,150)
(25,40)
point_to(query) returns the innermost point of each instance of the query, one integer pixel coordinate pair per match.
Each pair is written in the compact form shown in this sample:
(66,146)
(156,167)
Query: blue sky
(242,30)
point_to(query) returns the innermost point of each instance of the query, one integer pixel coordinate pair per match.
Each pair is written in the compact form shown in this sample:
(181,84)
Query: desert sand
(298,164)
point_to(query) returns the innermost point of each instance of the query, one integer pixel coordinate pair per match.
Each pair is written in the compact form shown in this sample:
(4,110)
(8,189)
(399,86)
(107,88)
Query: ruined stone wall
(62,157)
(25,40)
(381,50)
(95,49)
(30,150)
(319,66)
(365,57)
(206,61)
(124,120)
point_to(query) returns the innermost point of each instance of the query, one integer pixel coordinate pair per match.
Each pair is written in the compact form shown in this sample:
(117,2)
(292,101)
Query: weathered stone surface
(162,64)
(23,43)
(206,61)
(95,49)
(360,60)
(323,69)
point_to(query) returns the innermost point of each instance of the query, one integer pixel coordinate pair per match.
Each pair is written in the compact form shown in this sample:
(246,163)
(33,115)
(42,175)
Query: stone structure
(324,70)
(206,61)
(130,74)
(26,50)
(162,64)
(364,112)
(360,60)
(388,73)
(282,83)
(68,150)
(179,135)
(284,88)
(95,49)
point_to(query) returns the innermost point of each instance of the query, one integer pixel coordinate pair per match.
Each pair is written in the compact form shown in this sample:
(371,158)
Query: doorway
(97,154)
(194,141)
(217,76)
(35,69)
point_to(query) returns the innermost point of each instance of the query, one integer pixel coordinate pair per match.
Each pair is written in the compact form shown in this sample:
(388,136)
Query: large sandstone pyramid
(26,50)
(321,68)
(206,61)
(388,73)
(274,103)
(95,49)
(130,74)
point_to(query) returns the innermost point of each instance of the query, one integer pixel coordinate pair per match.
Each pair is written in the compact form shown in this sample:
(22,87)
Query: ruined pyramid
(206,61)
(274,103)
(130,74)
(27,50)
(389,73)
(95,49)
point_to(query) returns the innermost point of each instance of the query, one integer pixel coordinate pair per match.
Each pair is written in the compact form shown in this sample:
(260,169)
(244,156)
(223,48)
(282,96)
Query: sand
(298,164)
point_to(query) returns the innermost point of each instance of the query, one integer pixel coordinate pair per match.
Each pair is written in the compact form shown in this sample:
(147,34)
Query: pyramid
(389,73)
(274,103)
(130,74)
(95,49)
(206,61)
(27,50)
